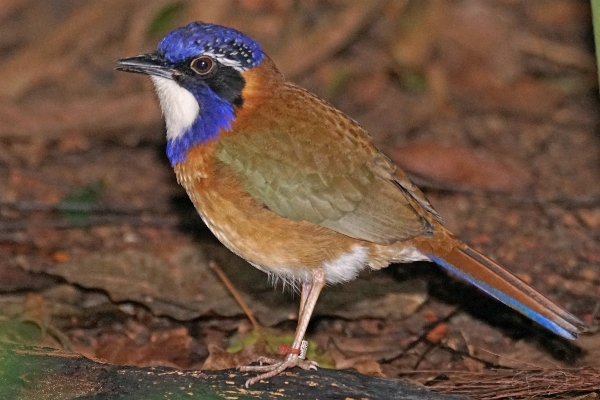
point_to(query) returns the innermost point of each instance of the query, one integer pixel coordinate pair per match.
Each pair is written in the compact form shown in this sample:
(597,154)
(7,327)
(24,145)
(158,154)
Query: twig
(236,295)
(521,384)
(72,35)
(321,42)
(421,338)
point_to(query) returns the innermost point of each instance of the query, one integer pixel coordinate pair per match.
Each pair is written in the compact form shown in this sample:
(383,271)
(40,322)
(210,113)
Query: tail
(488,276)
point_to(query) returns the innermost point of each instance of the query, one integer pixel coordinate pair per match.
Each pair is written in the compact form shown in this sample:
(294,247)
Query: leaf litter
(495,94)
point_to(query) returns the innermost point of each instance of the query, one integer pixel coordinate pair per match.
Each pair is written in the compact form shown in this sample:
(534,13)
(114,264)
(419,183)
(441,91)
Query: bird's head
(198,72)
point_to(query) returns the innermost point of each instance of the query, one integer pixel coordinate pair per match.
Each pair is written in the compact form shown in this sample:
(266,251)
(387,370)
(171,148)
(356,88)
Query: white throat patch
(178,105)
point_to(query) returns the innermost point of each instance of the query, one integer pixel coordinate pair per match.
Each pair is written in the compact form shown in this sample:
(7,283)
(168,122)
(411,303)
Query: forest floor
(491,106)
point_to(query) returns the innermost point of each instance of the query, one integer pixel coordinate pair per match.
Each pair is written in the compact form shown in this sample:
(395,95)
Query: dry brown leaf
(103,117)
(176,281)
(437,333)
(369,367)
(74,33)
(591,347)
(13,278)
(454,166)
(219,358)
(590,217)
(178,284)
(173,347)
(417,32)
(348,351)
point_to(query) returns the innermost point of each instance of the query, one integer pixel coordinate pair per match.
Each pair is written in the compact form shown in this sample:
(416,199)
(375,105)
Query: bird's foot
(275,367)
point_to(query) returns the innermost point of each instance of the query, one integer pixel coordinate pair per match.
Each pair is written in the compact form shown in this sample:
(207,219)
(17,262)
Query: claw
(275,367)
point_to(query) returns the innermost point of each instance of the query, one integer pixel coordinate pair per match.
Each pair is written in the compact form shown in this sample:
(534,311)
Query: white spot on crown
(223,59)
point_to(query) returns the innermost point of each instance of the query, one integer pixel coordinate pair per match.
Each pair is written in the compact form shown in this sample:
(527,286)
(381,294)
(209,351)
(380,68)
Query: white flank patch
(347,266)
(409,254)
(178,105)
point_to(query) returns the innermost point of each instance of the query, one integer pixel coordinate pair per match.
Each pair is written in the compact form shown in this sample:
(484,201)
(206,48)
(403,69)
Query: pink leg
(303,295)
(308,300)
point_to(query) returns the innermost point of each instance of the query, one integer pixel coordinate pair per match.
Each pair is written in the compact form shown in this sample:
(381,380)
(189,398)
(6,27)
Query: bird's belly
(288,249)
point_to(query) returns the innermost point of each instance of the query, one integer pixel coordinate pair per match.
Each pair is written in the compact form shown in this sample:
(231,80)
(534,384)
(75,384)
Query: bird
(296,187)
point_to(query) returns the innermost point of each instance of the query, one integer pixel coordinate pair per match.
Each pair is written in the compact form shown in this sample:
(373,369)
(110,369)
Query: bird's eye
(202,65)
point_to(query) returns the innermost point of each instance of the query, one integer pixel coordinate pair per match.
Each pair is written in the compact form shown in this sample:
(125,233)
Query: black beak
(147,64)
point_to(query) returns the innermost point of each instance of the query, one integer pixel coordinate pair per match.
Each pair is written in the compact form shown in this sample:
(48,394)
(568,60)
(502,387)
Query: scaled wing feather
(327,173)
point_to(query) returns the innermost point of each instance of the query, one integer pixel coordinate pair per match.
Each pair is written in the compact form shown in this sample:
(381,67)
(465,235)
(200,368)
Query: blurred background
(490,105)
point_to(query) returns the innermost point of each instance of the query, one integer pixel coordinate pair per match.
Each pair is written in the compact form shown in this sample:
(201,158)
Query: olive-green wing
(328,174)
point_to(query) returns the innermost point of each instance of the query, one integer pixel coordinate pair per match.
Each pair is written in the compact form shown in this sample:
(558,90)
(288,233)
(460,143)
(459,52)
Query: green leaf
(75,207)
(270,344)
(163,21)
(596,23)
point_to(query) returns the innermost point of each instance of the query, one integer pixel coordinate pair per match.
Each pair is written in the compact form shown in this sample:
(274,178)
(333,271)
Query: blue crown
(216,40)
